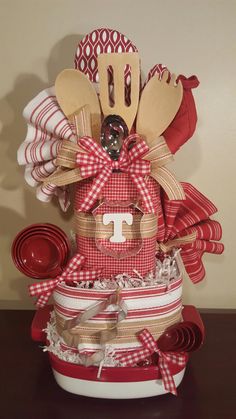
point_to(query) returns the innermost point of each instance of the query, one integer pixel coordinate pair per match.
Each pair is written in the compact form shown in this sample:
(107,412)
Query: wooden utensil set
(157,107)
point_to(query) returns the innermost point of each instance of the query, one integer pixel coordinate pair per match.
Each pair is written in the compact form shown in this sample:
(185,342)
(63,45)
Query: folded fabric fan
(192,215)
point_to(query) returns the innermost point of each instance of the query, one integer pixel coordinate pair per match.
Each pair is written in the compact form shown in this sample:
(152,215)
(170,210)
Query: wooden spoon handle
(82,121)
(73,91)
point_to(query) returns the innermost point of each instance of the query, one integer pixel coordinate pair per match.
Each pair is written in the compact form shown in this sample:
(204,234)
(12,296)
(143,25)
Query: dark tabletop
(29,391)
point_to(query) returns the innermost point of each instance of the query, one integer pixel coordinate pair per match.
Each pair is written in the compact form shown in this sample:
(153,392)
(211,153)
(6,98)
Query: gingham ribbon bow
(98,162)
(71,273)
(151,346)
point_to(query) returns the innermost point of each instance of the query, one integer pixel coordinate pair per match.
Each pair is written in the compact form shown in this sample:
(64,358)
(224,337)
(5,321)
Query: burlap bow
(72,272)
(89,159)
(149,347)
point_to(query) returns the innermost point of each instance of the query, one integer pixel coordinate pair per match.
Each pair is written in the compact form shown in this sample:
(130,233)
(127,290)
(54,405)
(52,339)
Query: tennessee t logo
(117,220)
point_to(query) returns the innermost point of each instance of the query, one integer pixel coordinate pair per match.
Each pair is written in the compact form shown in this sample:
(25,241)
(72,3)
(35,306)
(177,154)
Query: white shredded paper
(55,347)
(165,272)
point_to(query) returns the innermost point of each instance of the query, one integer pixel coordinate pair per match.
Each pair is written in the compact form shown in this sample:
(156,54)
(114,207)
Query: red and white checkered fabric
(143,262)
(71,273)
(180,218)
(118,188)
(150,347)
(98,163)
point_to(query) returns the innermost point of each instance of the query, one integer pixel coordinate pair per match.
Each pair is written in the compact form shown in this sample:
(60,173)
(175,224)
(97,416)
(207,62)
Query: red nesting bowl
(168,340)
(178,345)
(40,255)
(37,234)
(40,251)
(187,339)
(198,336)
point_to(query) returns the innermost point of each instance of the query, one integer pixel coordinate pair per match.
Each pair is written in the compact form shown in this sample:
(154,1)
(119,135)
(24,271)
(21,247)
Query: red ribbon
(96,162)
(72,273)
(149,347)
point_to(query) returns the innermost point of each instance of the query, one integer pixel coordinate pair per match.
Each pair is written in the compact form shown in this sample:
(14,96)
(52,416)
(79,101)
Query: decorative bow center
(96,162)
(115,164)
(150,346)
(72,272)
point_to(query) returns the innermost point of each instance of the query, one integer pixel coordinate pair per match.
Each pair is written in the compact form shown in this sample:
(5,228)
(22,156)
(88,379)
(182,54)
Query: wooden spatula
(118,63)
(74,91)
(159,103)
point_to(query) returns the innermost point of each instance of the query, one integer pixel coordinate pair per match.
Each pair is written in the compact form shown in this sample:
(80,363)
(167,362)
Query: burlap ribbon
(88,334)
(158,156)
(143,226)
(167,246)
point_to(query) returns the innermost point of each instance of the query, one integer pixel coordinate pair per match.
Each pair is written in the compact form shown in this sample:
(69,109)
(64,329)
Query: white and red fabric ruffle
(47,126)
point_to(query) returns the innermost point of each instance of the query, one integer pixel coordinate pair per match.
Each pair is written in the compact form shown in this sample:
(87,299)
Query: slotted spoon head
(159,103)
(74,91)
(119,62)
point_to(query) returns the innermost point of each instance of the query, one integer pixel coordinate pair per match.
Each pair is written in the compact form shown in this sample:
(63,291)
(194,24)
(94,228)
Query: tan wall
(38,39)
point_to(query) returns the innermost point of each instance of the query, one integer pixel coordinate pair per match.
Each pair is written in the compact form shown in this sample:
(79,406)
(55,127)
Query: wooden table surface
(29,391)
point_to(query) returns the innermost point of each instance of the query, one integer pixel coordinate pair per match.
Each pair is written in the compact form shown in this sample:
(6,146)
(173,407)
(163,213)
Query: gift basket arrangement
(109,305)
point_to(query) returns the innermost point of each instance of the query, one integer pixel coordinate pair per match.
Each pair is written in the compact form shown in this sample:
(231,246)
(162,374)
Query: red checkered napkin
(47,126)
(181,218)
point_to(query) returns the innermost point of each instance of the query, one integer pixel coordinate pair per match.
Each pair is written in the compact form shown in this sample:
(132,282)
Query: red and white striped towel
(47,126)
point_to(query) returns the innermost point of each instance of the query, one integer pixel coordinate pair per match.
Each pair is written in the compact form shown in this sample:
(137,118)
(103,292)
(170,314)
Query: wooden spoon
(159,103)
(74,91)
(118,62)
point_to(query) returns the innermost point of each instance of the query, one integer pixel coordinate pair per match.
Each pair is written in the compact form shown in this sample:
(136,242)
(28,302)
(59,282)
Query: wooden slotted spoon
(118,62)
(159,103)
(74,91)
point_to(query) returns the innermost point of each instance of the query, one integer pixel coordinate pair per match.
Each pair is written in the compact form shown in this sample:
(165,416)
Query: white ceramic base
(106,390)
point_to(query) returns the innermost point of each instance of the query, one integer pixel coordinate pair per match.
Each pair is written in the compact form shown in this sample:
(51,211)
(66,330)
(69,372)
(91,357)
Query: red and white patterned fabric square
(118,188)
(103,41)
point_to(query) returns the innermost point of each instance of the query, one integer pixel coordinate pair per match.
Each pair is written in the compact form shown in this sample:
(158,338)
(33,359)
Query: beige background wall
(38,39)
